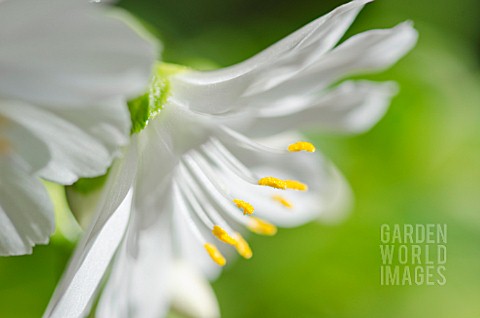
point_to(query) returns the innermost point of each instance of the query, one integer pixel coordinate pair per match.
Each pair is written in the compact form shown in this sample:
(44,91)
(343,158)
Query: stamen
(296,185)
(282,201)
(273,182)
(282,184)
(242,247)
(262,227)
(301,146)
(208,189)
(223,236)
(246,207)
(198,164)
(184,211)
(220,232)
(195,204)
(215,254)
(215,147)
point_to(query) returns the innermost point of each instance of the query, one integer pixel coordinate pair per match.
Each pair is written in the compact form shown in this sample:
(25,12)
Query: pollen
(242,247)
(262,227)
(246,207)
(296,185)
(282,201)
(273,182)
(223,236)
(301,146)
(215,254)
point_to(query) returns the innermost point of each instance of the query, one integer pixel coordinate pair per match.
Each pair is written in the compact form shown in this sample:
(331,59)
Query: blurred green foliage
(420,164)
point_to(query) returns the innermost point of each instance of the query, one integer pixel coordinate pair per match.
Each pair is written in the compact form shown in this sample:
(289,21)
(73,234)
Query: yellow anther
(246,207)
(301,146)
(282,201)
(223,236)
(260,226)
(273,182)
(296,185)
(242,246)
(215,254)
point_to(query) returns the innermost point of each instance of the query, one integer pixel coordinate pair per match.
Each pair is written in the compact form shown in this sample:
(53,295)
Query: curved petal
(81,142)
(219,91)
(367,52)
(70,52)
(192,294)
(26,213)
(172,133)
(138,285)
(18,139)
(74,294)
(323,180)
(352,107)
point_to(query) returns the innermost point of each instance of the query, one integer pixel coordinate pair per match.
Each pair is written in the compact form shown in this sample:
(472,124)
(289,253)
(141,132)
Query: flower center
(204,195)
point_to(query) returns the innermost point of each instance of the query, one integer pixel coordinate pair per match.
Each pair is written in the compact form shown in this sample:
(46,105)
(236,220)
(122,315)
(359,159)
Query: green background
(420,164)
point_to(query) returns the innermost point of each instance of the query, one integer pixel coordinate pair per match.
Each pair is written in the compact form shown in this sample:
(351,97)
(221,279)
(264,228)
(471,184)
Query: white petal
(19,140)
(26,213)
(156,162)
(162,143)
(92,257)
(219,91)
(138,285)
(192,294)
(81,142)
(370,51)
(320,175)
(59,52)
(352,107)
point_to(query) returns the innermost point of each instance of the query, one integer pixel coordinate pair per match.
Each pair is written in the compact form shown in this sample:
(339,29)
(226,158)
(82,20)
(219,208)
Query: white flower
(66,69)
(176,191)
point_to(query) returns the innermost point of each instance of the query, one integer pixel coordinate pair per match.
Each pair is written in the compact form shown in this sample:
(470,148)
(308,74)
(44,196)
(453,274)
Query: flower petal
(26,213)
(192,294)
(370,51)
(61,53)
(74,294)
(81,142)
(138,285)
(219,91)
(167,137)
(367,52)
(15,139)
(352,107)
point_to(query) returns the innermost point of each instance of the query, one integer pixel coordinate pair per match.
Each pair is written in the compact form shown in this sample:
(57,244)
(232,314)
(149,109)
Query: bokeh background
(420,164)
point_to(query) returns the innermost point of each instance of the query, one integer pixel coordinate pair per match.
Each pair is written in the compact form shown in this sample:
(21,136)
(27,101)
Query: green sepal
(147,106)
(86,185)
